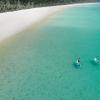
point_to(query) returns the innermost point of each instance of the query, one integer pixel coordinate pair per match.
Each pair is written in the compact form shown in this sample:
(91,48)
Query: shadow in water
(76,66)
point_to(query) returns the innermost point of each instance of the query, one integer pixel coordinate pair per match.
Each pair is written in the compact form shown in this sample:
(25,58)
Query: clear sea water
(38,65)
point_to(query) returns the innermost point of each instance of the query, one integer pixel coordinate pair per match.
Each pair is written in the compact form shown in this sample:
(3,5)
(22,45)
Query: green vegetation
(10,5)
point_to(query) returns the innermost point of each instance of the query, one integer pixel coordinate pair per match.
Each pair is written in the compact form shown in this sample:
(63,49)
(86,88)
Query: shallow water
(39,65)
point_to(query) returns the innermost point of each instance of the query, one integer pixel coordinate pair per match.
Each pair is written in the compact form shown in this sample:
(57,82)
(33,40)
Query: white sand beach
(16,21)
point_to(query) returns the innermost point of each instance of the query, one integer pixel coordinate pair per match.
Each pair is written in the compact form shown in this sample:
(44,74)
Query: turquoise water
(38,65)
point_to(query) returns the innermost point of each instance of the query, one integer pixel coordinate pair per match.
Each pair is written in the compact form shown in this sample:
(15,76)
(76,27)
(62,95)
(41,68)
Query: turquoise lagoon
(38,65)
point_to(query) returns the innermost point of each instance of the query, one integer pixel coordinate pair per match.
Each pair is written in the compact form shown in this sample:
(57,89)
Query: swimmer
(97,60)
(78,61)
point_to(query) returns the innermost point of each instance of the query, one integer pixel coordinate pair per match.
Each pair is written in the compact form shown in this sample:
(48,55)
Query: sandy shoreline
(15,22)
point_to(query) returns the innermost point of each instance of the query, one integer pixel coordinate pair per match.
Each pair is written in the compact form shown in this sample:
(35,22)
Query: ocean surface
(39,64)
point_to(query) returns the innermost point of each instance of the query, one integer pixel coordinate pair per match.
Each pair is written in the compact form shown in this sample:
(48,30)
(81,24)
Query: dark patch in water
(76,66)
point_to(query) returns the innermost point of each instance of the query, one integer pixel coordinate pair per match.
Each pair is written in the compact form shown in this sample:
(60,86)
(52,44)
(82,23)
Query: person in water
(96,59)
(78,61)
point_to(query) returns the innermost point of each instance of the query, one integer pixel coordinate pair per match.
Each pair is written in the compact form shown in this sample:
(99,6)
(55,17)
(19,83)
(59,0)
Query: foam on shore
(16,21)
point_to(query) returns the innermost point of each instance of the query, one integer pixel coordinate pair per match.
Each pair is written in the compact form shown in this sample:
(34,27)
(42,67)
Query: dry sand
(16,21)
